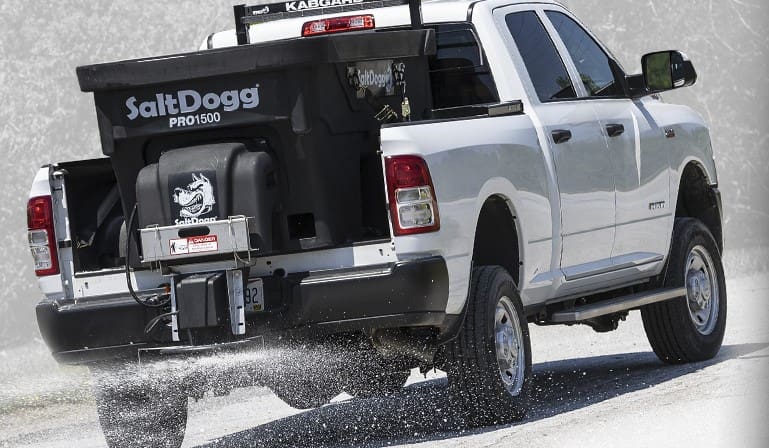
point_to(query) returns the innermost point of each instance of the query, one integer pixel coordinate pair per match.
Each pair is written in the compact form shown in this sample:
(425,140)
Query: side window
(545,67)
(591,61)
(458,72)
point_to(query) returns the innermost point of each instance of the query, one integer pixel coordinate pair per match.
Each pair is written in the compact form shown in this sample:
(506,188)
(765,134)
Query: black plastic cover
(202,301)
(207,183)
(315,105)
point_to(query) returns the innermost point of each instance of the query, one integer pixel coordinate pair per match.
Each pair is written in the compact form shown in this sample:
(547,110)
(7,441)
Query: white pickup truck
(423,180)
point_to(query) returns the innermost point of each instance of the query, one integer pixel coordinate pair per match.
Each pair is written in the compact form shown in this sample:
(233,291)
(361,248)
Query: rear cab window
(459,73)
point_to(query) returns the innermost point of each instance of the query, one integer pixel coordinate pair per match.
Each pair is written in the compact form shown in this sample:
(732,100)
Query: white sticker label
(200,244)
(194,245)
(179,247)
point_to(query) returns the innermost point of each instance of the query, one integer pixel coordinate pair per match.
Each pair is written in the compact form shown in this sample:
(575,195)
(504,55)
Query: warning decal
(194,245)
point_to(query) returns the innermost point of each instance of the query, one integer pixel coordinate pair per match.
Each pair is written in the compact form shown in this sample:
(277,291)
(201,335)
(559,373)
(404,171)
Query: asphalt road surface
(590,390)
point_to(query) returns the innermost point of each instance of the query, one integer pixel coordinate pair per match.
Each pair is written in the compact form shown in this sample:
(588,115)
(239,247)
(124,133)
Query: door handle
(561,136)
(615,130)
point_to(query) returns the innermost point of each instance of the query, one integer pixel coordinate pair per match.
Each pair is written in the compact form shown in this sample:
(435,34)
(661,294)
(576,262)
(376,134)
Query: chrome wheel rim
(702,293)
(508,341)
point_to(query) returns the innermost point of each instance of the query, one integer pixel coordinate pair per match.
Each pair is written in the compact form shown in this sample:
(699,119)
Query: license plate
(254,295)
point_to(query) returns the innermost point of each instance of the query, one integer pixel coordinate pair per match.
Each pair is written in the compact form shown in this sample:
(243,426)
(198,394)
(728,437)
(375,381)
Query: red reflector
(407,171)
(410,191)
(42,244)
(39,213)
(338,25)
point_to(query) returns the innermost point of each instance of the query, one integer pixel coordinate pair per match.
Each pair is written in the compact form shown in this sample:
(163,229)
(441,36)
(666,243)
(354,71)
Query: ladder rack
(245,15)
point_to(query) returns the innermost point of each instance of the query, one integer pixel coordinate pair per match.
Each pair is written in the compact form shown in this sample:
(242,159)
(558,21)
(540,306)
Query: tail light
(410,191)
(338,25)
(42,239)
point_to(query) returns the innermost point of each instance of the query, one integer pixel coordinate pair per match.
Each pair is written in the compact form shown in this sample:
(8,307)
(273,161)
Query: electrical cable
(151,324)
(153,298)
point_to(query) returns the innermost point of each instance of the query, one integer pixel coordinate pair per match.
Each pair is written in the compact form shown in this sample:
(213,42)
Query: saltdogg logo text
(188,102)
(196,199)
(370,78)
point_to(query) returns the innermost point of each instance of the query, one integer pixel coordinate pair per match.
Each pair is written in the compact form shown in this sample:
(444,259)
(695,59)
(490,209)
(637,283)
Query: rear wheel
(691,328)
(489,364)
(146,416)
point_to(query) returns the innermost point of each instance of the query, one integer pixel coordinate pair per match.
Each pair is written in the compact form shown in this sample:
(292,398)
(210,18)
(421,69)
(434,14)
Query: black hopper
(284,132)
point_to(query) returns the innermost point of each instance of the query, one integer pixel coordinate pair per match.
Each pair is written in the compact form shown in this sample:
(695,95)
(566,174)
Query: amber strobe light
(410,191)
(42,240)
(338,25)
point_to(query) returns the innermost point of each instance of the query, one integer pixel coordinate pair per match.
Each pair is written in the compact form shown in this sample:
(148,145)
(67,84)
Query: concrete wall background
(44,117)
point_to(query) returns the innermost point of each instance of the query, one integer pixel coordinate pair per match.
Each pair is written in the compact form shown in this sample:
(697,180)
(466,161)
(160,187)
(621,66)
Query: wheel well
(496,238)
(698,199)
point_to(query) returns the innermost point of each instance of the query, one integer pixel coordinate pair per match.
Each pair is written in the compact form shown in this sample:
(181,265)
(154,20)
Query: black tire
(685,330)
(475,374)
(141,416)
(374,383)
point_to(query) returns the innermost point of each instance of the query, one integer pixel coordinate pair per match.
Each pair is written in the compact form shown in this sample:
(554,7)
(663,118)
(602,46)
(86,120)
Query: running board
(593,310)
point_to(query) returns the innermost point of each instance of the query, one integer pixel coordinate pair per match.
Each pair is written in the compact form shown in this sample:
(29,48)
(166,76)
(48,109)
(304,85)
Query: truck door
(582,163)
(637,153)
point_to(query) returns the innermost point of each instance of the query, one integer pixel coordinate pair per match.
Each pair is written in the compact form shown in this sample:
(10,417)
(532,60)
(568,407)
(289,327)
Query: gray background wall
(44,117)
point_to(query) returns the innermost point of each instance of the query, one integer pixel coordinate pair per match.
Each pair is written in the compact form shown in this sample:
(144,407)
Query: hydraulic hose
(154,301)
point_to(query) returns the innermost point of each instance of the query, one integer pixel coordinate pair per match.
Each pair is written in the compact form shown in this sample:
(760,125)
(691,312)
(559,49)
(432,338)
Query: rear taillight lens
(42,239)
(413,205)
(338,25)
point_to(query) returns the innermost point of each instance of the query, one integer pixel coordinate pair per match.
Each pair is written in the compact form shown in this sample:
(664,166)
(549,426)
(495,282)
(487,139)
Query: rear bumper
(403,295)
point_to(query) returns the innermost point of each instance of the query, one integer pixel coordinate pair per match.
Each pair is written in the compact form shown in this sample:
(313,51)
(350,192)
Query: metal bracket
(230,236)
(174,316)
(237,302)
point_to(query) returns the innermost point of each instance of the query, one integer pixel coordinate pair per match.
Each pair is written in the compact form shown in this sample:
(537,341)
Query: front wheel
(489,364)
(691,328)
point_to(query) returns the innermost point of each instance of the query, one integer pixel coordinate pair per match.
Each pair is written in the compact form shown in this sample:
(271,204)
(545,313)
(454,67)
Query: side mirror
(667,70)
